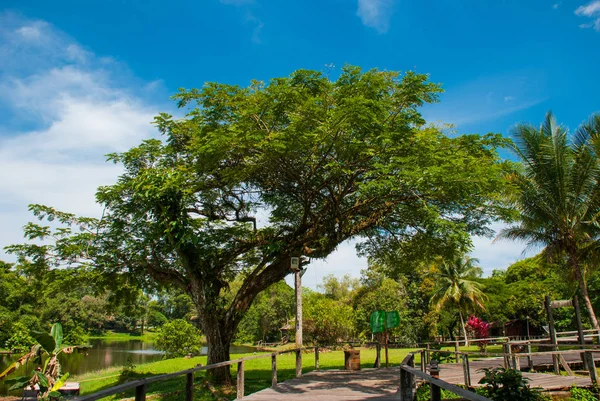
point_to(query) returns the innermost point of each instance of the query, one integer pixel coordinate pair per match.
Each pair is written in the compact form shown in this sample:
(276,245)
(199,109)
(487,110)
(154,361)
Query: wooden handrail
(407,383)
(141,384)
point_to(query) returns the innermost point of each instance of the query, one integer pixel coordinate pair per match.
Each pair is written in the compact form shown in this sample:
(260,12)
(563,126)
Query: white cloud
(555,6)
(497,255)
(375,13)
(31,32)
(66,108)
(590,10)
(488,98)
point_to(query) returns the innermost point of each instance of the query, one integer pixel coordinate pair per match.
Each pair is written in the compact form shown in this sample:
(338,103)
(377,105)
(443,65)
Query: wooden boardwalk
(336,385)
(453,373)
(383,384)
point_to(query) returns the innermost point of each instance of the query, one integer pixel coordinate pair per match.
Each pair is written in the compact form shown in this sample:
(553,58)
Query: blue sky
(79,79)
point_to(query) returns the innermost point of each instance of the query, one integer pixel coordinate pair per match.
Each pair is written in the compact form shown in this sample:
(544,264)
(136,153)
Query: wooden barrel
(352,359)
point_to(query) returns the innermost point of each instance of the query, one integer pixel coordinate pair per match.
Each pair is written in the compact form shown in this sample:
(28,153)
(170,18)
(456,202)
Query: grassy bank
(257,373)
(112,336)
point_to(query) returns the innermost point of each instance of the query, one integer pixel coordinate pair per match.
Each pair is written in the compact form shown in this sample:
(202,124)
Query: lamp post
(296,268)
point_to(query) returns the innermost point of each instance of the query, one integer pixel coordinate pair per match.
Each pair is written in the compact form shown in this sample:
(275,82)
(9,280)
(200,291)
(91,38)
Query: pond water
(103,354)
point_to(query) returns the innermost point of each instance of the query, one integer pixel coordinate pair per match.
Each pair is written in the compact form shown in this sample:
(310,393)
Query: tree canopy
(251,176)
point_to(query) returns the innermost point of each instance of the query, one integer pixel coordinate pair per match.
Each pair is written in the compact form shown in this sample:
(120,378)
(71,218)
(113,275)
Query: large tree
(557,195)
(252,176)
(456,287)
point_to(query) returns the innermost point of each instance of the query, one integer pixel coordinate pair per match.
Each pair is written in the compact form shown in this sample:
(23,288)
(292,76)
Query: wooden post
(273,370)
(240,380)
(428,354)
(299,363)
(298,290)
(529,359)
(316,358)
(466,370)
(378,357)
(553,339)
(506,355)
(580,335)
(189,387)
(456,351)
(386,349)
(435,392)
(423,362)
(407,382)
(140,392)
(591,365)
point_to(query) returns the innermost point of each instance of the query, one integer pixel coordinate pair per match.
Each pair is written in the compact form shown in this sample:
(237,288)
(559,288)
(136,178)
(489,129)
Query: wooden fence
(408,382)
(141,385)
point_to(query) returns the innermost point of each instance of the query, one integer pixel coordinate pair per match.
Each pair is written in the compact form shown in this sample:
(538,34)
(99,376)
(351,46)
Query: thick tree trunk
(219,340)
(464,329)
(580,274)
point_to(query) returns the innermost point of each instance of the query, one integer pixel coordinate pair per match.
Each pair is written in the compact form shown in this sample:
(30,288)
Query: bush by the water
(20,340)
(77,336)
(178,338)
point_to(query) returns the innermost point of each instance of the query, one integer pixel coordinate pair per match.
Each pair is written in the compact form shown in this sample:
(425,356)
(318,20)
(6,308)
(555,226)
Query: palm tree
(556,194)
(455,287)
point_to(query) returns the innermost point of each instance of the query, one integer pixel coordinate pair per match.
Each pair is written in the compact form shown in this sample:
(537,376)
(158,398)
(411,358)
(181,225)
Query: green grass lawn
(257,373)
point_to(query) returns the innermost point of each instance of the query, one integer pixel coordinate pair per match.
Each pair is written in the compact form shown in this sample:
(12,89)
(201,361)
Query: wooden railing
(408,383)
(512,359)
(141,385)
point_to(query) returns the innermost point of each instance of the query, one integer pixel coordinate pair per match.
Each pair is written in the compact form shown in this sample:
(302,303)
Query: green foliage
(386,295)
(273,309)
(507,384)
(77,336)
(178,338)
(423,393)
(326,321)
(20,340)
(339,289)
(582,394)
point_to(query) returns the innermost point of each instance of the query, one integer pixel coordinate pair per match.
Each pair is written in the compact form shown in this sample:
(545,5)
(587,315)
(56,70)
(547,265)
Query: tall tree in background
(557,195)
(455,287)
(321,161)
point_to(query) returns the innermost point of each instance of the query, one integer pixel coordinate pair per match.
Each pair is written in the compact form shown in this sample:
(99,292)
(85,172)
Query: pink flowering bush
(479,329)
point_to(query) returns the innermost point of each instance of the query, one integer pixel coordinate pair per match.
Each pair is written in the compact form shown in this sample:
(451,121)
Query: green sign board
(381,320)
(378,321)
(392,319)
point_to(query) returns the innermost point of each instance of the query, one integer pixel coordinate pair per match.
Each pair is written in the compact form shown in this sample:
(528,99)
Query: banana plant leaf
(57,334)
(61,382)
(17,382)
(46,341)
(42,381)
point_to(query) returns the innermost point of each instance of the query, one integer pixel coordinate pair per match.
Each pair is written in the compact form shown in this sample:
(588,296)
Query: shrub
(178,338)
(508,384)
(481,329)
(77,336)
(20,340)
(582,394)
